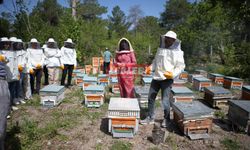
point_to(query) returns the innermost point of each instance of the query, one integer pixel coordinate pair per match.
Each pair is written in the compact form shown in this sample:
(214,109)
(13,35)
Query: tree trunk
(74,8)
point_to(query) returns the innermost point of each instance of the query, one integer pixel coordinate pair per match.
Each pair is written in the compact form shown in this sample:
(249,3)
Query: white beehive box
(94,95)
(52,95)
(123,114)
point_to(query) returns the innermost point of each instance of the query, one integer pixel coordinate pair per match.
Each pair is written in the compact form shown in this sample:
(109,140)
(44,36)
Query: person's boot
(147,120)
(166,121)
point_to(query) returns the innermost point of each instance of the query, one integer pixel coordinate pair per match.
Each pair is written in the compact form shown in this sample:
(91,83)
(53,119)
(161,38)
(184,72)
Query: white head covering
(51,40)
(4,39)
(19,40)
(33,40)
(171,34)
(69,41)
(13,39)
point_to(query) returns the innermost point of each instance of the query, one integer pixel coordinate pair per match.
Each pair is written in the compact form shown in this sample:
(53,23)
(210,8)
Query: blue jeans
(155,86)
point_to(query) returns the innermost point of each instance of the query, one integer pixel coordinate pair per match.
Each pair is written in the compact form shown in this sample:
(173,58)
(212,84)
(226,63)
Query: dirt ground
(73,126)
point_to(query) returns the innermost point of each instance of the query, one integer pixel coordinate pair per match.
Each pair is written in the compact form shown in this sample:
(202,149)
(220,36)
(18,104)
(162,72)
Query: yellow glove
(38,66)
(74,67)
(20,68)
(168,75)
(31,71)
(2,58)
(62,67)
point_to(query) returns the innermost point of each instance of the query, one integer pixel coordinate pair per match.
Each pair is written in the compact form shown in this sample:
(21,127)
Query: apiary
(124,115)
(115,85)
(201,72)
(181,94)
(146,81)
(239,113)
(232,83)
(216,78)
(52,95)
(200,82)
(246,92)
(87,80)
(94,95)
(191,76)
(193,118)
(103,79)
(141,93)
(217,96)
(183,75)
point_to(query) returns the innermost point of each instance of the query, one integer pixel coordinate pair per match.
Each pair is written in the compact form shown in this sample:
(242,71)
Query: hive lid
(102,75)
(142,89)
(88,78)
(179,81)
(147,79)
(128,104)
(184,90)
(244,104)
(194,109)
(216,74)
(94,88)
(233,78)
(246,87)
(76,71)
(217,90)
(52,88)
(80,75)
(202,79)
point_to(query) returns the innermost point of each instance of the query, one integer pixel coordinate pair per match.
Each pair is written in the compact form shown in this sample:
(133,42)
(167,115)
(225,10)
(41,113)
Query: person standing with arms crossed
(106,63)
(167,64)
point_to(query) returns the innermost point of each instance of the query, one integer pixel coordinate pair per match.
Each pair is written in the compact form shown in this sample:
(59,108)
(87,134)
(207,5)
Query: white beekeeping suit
(53,60)
(68,54)
(168,59)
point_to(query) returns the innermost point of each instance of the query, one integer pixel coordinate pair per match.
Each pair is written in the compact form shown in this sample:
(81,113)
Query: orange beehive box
(95,61)
(88,69)
(200,82)
(232,83)
(183,75)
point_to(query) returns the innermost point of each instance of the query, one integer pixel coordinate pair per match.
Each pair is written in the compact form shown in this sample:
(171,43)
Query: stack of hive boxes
(141,93)
(217,96)
(94,95)
(123,115)
(95,65)
(52,95)
(79,79)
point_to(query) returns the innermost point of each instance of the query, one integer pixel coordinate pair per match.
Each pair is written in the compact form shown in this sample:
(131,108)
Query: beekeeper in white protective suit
(68,60)
(167,65)
(53,61)
(35,61)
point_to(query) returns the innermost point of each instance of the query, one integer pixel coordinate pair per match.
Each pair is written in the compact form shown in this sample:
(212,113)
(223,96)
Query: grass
(171,141)
(121,145)
(230,144)
(219,114)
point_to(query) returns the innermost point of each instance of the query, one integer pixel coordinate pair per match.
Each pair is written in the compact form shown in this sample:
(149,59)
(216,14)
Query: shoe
(8,117)
(14,108)
(165,123)
(17,103)
(22,102)
(147,120)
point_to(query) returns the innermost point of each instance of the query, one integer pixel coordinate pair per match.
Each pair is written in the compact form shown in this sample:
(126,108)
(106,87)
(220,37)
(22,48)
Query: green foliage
(121,145)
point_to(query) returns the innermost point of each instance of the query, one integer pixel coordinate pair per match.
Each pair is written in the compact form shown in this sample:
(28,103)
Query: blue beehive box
(141,93)
(52,95)
(103,79)
(88,80)
(200,82)
(239,113)
(193,118)
(146,80)
(181,94)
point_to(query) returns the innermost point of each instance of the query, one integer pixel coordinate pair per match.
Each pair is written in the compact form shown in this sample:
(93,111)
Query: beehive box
(216,78)
(79,79)
(232,83)
(87,80)
(246,92)
(200,82)
(123,114)
(112,74)
(103,79)
(181,94)
(183,75)
(179,82)
(94,95)
(52,95)
(193,118)
(88,69)
(191,76)
(217,96)
(95,61)
(141,93)
(239,113)
(76,71)
(95,69)
(201,72)
(146,81)
(115,85)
